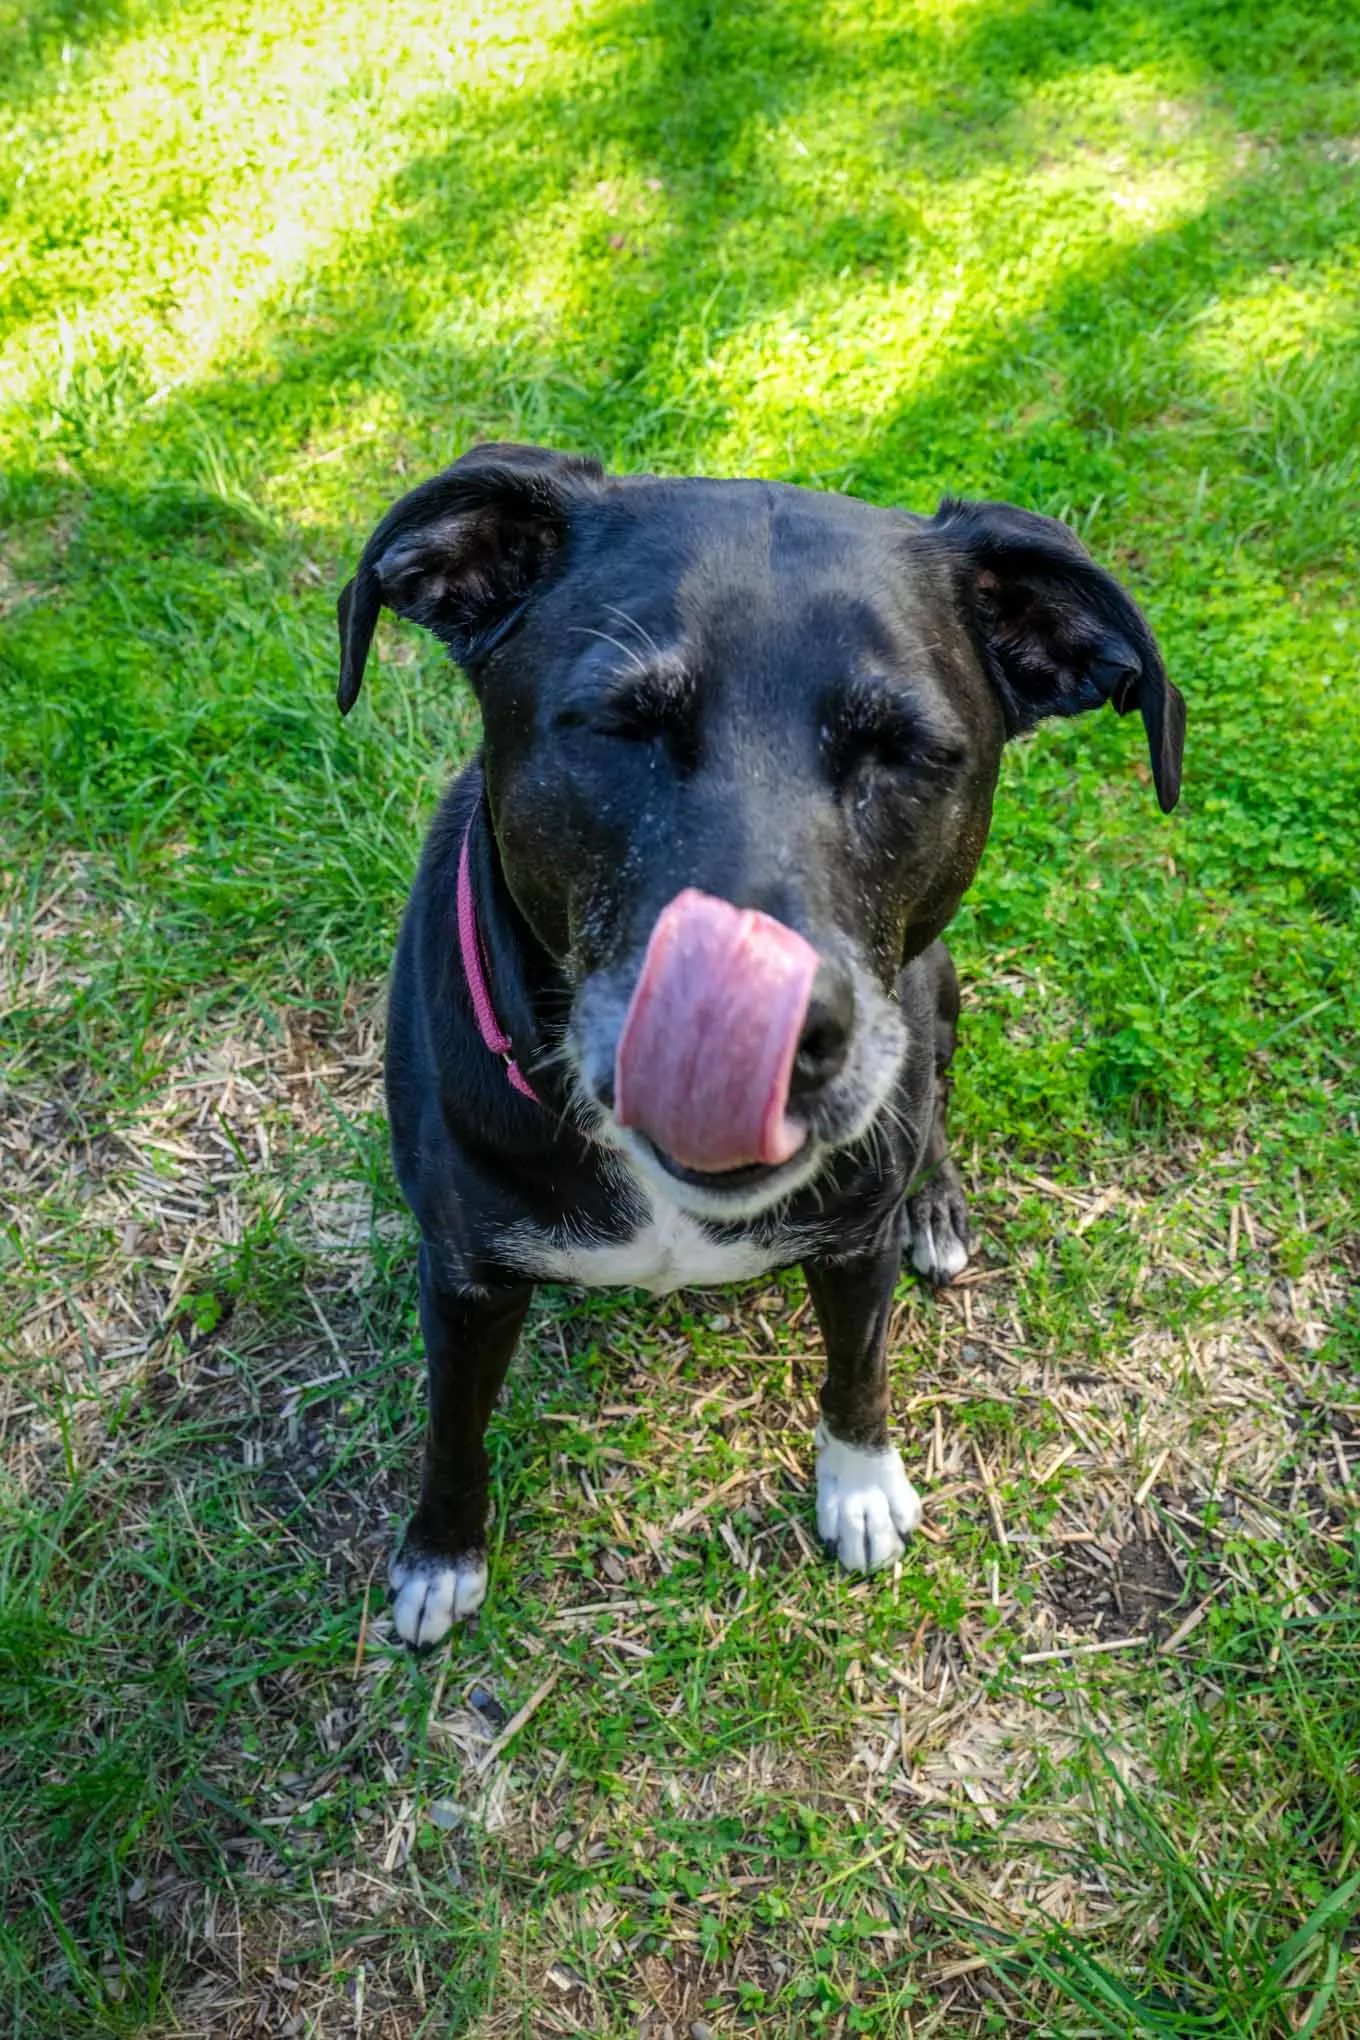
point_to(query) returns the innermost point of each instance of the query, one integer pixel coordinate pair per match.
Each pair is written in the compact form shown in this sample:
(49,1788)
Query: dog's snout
(825,1039)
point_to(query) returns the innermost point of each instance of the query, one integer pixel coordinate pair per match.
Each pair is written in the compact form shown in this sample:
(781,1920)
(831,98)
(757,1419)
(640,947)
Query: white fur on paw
(866,1505)
(429,1595)
(937,1252)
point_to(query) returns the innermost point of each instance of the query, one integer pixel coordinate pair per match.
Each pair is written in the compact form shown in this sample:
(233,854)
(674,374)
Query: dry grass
(1090,1513)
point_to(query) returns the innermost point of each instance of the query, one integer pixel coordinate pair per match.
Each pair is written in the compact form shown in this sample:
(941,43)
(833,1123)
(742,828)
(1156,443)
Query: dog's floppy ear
(1059,633)
(462,552)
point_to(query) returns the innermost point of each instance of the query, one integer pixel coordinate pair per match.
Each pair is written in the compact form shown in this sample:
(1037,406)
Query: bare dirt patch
(1132,1593)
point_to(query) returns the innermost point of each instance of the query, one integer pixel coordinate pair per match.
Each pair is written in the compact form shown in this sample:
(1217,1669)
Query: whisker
(584,630)
(548,1058)
(633,624)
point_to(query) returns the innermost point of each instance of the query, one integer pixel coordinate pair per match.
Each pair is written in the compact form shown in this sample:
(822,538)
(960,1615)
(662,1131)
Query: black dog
(670,1004)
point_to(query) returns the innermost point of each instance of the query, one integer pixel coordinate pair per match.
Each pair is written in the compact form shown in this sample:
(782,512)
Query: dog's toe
(936,1227)
(866,1506)
(430,1594)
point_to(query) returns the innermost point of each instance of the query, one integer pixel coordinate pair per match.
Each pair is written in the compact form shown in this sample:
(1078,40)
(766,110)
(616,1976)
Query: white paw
(937,1252)
(866,1505)
(935,1226)
(429,1595)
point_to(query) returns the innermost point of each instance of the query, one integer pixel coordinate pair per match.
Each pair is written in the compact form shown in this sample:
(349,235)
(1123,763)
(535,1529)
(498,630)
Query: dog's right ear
(1058,633)
(462,553)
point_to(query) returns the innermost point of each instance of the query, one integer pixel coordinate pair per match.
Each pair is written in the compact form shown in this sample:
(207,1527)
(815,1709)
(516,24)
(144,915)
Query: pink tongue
(711,1032)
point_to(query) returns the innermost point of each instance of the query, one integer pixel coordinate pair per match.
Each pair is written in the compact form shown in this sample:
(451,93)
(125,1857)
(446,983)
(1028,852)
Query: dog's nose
(825,1039)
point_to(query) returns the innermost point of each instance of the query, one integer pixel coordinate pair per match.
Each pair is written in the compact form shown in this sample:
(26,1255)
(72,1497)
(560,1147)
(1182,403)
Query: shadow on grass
(188,720)
(646,87)
(43,41)
(461,223)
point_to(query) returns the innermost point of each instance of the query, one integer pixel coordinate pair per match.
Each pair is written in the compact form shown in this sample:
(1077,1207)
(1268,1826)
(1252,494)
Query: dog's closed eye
(643,704)
(873,724)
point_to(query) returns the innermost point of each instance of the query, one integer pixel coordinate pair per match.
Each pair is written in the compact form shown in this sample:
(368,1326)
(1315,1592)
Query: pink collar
(474,970)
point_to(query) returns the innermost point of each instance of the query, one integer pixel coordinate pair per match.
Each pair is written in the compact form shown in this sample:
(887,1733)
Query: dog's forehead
(752,530)
(741,557)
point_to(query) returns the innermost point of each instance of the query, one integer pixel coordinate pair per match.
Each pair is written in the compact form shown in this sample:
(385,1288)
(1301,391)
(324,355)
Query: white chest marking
(670,1250)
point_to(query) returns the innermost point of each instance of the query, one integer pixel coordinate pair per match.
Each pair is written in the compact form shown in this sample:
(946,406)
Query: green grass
(260,269)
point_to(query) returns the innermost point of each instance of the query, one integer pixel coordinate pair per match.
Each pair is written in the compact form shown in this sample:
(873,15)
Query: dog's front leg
(439,1571)
(936,1212)
(866,1505)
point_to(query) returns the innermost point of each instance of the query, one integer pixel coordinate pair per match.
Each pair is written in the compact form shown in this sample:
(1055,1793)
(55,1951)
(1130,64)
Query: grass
(1087,1765)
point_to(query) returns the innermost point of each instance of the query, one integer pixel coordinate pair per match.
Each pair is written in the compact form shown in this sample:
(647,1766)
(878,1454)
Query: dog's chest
(668,1250)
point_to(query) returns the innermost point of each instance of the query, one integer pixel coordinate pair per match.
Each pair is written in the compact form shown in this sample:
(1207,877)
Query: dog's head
(741,741)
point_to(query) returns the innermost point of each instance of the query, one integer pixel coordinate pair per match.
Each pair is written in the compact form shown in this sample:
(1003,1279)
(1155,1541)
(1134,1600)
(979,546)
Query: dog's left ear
(463,552)
(1059,634)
